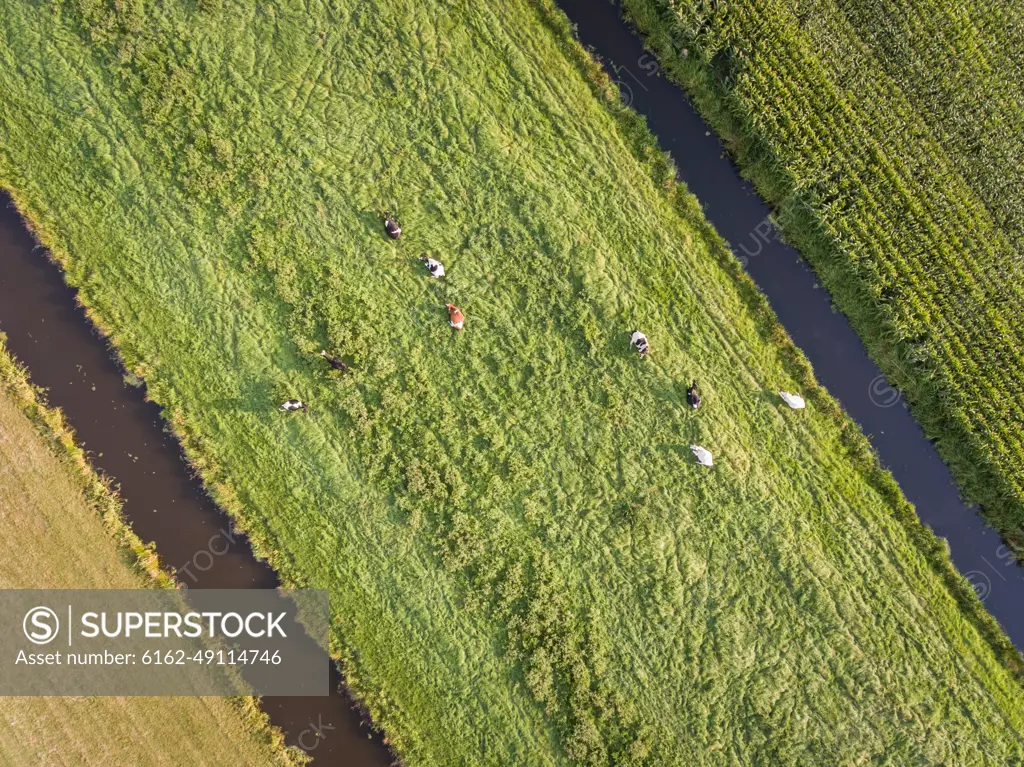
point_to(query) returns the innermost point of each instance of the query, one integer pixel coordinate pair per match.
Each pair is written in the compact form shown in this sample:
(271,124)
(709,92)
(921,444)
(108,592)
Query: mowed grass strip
(888,136)
(60,528)
(526,565)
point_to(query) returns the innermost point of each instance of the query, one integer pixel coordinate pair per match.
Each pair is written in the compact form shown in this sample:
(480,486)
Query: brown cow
(455,316)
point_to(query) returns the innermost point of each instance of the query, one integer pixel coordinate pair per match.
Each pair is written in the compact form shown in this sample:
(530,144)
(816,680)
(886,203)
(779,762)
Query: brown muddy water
(127,440)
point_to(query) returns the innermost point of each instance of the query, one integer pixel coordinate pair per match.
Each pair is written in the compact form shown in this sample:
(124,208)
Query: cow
(391,227)
(436,268)
(334,362)
(693,396)
(455,316)
(639,340)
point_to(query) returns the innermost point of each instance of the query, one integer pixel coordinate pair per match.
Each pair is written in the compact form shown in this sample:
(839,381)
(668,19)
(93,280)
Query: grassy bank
(62,529)
(888,138)
(526,566)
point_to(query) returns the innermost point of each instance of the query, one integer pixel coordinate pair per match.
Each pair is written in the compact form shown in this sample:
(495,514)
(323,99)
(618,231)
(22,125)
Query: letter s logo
(41,625)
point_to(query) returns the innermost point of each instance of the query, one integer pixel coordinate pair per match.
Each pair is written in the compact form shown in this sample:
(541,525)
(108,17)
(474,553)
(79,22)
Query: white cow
(703,455)
(795,401)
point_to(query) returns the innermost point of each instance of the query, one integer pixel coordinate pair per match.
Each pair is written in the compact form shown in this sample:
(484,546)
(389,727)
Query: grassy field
(889,136)
(61,529)
(526,565)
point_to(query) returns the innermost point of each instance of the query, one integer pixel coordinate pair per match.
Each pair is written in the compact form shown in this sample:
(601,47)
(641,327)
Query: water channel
(127,441)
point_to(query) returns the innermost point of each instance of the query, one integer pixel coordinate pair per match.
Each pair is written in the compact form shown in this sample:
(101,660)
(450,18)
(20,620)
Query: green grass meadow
(61,529)
(526,565)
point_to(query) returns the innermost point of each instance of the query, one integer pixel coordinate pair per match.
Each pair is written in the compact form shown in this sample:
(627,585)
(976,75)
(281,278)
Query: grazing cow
(693,396)
(455,316)
(394,231)
(436,268)
(639,340)
(703,455)
(334,362)
(290,406)
(795,401)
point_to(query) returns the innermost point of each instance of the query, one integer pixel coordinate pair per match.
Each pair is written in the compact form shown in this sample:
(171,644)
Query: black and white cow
(435,267)
(394,231)
(639,340)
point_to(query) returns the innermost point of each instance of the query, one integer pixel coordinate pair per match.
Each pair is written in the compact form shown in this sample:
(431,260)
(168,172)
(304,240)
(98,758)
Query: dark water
(839,359)
(164,503)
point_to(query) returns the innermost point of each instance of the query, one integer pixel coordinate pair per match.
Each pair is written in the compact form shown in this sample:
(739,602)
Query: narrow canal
(840,361)
(127,441)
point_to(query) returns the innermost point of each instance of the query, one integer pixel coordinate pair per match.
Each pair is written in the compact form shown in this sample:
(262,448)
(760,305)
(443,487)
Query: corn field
(890,136)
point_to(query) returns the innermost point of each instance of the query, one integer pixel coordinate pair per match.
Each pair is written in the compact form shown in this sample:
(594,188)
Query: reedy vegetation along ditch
(525,565)
(889,136)
(62,529)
